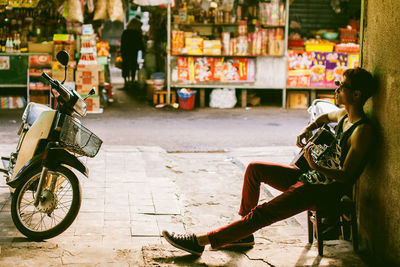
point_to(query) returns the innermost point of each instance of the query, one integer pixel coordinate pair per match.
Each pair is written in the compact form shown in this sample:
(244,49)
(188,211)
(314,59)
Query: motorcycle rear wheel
(53,215)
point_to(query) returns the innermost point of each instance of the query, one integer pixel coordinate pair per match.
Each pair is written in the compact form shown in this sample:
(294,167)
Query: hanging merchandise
(115,10)
(75,10)
(100,12)
(90,5)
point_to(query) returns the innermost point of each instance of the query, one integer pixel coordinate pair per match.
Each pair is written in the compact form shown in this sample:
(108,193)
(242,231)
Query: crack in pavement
(251,259)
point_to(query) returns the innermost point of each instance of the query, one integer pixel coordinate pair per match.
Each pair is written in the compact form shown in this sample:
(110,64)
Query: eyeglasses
(340,85)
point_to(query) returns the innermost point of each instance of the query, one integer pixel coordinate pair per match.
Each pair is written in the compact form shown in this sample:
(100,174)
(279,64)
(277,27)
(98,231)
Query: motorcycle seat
(33,111)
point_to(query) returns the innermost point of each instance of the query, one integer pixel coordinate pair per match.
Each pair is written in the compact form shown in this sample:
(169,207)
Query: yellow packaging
(322,47)
(194,46)
(212,47)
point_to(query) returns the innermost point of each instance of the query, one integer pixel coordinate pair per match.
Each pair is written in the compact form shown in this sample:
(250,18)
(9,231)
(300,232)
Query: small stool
(160,97)
(347,223)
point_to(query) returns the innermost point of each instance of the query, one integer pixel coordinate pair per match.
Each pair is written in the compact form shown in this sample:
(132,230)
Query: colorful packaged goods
(103,49)
(194,46)
(336,64)
(299,69)
(177,42)
(318,69)
(205,69)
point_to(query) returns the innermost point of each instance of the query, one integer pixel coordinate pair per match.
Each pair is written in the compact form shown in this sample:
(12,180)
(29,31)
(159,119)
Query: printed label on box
(318,69)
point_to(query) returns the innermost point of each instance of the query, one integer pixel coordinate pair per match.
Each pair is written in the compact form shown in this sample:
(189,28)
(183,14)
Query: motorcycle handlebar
(65,94)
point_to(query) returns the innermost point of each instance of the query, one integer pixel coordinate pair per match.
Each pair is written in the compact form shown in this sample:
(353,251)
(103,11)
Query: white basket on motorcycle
(78,139)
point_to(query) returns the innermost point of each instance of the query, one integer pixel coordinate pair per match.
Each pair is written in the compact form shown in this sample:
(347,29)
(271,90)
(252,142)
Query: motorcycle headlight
(80,107)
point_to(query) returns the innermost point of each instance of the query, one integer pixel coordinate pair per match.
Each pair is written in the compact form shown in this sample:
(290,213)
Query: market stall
(32,33)
(226,44)
(319,52)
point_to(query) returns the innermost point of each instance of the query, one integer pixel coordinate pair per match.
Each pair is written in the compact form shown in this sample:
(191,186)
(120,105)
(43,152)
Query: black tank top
(333,156)
(342,137)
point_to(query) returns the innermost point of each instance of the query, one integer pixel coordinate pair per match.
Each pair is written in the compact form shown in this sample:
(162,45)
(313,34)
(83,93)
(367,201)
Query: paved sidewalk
(133,193)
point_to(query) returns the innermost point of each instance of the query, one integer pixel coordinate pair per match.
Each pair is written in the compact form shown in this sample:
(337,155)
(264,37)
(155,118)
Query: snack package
(318,69)
(336,64)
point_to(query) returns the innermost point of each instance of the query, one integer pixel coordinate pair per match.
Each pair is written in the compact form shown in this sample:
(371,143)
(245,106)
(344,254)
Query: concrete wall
(379,187)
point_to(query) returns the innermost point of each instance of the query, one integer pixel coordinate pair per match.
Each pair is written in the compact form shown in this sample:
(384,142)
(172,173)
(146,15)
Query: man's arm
(333,116)
(356,157)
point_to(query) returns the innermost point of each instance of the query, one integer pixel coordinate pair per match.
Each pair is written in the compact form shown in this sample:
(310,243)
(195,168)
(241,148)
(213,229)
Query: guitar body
(323,136)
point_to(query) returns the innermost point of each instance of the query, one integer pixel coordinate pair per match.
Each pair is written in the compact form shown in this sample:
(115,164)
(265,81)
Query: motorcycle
(46,194)
(319,107)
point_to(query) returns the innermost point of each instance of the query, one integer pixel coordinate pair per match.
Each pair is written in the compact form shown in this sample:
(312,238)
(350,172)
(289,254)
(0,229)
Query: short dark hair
(362,80)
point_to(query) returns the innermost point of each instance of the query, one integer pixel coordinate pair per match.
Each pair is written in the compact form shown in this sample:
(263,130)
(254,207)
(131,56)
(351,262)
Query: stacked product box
(86,78)
(87,72)
(58,71)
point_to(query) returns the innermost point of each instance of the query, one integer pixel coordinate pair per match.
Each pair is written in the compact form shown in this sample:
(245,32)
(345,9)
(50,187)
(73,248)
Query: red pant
(296,197)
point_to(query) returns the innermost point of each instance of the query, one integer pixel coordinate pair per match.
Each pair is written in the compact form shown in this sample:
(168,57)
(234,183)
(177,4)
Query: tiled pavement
(133,193)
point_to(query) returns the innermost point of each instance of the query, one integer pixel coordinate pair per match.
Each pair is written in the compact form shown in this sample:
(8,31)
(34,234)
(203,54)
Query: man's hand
(303,138)
(307,155)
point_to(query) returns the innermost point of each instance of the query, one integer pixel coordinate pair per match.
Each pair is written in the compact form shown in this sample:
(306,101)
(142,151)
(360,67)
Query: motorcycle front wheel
(57,209)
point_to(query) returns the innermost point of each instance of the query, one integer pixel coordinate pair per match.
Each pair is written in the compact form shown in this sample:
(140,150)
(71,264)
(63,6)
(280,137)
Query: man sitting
(330,176)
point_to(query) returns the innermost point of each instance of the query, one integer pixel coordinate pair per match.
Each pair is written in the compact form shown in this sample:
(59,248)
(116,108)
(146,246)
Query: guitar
(323,136)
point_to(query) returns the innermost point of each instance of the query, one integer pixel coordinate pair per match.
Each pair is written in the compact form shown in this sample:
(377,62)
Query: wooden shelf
(198,24)
(205,24)
(311,88)
(187,55)
(43,88)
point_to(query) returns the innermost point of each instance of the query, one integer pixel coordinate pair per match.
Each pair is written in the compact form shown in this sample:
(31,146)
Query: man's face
(343,93)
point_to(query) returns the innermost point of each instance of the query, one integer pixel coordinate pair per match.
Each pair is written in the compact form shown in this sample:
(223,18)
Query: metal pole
(169,52)
(284,90)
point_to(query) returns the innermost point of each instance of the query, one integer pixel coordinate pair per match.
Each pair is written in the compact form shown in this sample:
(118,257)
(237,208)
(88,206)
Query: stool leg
(202,98)
(310,227)
(155,96)
(318,229)
(161,98)
(354,229)
(173,97)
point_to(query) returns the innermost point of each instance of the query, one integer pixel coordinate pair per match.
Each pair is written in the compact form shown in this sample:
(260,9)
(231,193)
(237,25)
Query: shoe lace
(185,237)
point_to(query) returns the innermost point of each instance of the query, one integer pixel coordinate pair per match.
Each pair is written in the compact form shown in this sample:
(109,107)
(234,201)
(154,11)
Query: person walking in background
(131,43)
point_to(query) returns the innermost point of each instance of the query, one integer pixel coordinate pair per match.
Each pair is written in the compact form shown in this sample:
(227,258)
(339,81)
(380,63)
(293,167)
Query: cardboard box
(276,47)
(91,67)
(58,71)
(86,77)
(102,77)
(46,47)
(92,102)
(297,100)
(60,74)
(84,89)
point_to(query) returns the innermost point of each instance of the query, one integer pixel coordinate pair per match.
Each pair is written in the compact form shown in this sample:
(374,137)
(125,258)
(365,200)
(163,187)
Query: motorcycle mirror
(63,57)
(92,92)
